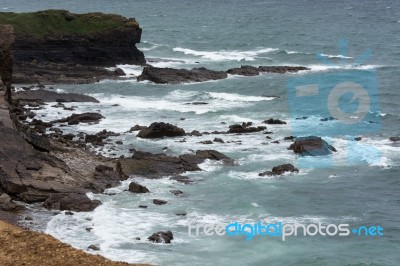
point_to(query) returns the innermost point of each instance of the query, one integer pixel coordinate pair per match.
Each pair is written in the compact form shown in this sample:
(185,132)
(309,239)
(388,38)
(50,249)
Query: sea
(351,41)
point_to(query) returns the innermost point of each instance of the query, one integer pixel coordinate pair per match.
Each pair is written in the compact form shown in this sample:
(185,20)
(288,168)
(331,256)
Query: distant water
(220,35)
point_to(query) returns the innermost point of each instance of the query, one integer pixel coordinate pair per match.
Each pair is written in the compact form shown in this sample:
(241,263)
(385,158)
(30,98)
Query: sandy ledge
(24,247)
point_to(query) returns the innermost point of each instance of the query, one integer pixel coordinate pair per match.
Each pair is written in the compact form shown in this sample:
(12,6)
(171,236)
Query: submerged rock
(311,145)
(159,202)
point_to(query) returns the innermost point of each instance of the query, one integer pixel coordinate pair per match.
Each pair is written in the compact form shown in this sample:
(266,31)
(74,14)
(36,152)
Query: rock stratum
(56,46)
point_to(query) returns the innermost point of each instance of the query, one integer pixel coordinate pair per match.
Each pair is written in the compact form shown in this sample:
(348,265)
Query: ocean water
(359,186)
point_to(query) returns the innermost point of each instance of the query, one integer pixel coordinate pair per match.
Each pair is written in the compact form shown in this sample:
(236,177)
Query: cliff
(48,43)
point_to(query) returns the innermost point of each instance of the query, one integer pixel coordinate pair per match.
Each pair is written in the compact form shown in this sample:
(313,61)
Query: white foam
(131,70)
(238,97)
(226,55)
(336,56)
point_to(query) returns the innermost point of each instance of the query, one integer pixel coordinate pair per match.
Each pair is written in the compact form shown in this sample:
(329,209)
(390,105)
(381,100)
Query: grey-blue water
(360,186)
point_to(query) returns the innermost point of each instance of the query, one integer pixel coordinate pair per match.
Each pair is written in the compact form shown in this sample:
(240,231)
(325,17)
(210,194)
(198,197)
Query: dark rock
(280,169)
(119,142)
(281,69)
(394,139)
(206,142)
(68,136)
(181,214)
(137,188)
(136,128)
(197,103)
(158,165)
(71,201)
(358,138)
(97,139)
(244,71)
(302,118)
(275,142)
(175,76)
(159,202)
(268,137)
(143,206)
(161,237)
(273,121)
(195,133)
(219,140)
(160,129)
(289,138)
(69,213)
(39,142)
(311,145)
(94,247)
(52,96)
(75,119)
(328,119)
(244,128)
(28,218)
(119,72)
(176,192)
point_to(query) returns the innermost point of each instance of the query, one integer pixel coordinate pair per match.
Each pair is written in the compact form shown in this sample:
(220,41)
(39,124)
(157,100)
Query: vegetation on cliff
(58,22)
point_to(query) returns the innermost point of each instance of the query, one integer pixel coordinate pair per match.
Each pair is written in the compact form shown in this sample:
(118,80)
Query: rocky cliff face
(6,59)
(56,45)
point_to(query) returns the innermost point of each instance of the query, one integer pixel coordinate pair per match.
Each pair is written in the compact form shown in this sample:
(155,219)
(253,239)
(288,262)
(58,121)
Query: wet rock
(71,201)
(275,142)
(358,138)
(97,139)
(280,169)
(244,71)
(273,121)
(176,76)
(143,206)
(195,133)
(394,139)
(312,146)
(39,142)
(75,119)
(160,130)
(244,128)
(206,142)
(137,188)
(219,140)
(119,142)
(119,72)
(157,165)
(181,214)
(28,218)
(52,96)
(162,237)
(159,202)
(281,69)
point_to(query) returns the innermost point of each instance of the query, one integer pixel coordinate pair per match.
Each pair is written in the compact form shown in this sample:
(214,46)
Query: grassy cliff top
(49,22)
